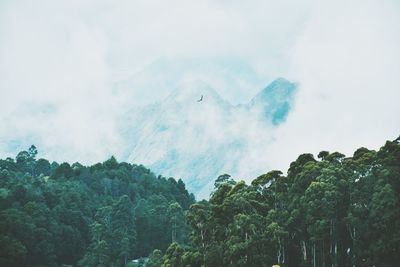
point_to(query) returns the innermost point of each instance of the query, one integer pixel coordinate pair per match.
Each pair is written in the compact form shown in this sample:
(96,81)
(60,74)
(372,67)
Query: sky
(70,70)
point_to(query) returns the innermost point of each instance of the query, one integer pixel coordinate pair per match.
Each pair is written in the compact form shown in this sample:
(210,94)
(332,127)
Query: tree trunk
(304,248)
(279,251)
(314,263)
(354,254)
(323,252)
(246,248)
(330,239)
(335,258)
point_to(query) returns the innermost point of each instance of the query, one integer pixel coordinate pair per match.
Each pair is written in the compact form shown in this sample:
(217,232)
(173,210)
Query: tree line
(106,214)
(329,211)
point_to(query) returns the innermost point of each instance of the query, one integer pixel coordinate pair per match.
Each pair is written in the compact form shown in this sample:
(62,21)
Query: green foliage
(73,215)
(173,256)
(333,212)
(155,259)
(223,179)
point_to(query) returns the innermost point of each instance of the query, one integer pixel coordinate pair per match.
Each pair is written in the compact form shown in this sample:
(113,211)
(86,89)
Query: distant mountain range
(196,141)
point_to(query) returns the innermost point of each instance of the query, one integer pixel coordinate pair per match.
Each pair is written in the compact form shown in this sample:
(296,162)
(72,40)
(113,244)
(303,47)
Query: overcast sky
(69,69)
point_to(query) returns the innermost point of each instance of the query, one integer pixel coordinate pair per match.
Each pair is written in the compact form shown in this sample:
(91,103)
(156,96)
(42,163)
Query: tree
(175,213)
(155,259)
(32,151)
(42,167)
(173,256)
(123,229)
(223,179)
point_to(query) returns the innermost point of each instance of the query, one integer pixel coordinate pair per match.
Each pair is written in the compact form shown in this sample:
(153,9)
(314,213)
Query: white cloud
(60,61)
(348,64)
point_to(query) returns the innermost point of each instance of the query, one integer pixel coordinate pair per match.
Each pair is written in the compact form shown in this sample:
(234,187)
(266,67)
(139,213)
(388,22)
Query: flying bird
(201,99)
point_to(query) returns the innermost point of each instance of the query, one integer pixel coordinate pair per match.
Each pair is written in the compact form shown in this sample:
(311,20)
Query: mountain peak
(275,100)
(280,80)
(192,91)
(279,86)
(197,141)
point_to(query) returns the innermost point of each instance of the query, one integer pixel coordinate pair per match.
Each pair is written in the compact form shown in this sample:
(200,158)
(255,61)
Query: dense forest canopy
(326,211)
(330,211)
(102,215)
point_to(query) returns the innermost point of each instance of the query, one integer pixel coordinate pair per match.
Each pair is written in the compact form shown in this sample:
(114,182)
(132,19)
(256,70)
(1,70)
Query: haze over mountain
(199,140)
(71,70)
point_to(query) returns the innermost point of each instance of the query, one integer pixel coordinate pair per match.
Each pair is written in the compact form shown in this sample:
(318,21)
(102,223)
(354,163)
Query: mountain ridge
(197,141)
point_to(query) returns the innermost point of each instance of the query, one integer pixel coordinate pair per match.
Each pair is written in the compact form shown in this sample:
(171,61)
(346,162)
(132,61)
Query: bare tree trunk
(354,255)
(314,263)
(352,233)
(323,252)
(279,251)
(246,249)
(330,242)
(334,241)
(304,247)
(335,258)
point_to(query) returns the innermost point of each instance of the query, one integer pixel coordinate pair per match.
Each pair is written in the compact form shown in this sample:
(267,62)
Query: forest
(71,215)
(328,210)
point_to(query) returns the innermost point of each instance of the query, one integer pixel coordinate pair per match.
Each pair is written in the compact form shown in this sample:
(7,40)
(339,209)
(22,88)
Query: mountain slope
(275,100)
(197,141)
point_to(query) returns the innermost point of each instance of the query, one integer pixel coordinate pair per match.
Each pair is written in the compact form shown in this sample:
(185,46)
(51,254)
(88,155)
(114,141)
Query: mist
(70,70)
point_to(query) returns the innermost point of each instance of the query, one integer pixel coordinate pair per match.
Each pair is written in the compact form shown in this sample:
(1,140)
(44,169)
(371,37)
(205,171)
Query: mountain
(274,101)
(183,137)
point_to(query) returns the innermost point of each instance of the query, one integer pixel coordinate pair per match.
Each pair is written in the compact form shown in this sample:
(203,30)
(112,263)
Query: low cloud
(62,65)
(347,63)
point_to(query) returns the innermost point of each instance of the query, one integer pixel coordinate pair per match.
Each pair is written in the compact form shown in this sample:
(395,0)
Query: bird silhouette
(201,99)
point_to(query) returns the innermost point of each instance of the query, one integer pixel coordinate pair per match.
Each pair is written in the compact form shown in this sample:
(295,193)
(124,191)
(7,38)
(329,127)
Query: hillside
(53,214)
